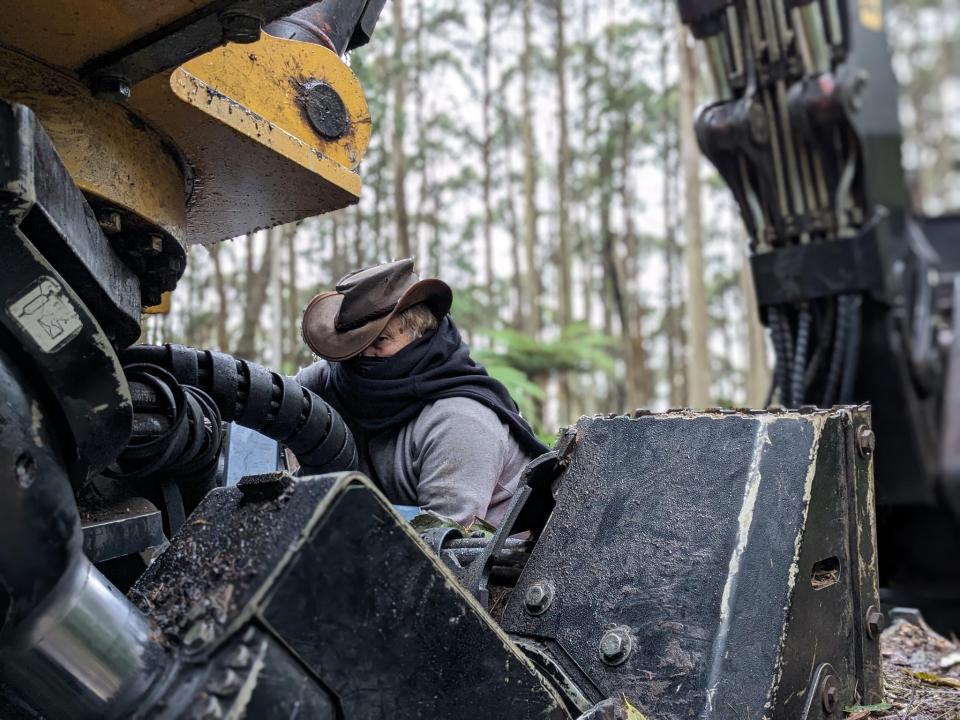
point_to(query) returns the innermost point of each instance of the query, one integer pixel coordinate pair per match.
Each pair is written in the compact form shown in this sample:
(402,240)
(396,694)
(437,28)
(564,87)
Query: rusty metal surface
(110,153)
(682,555)
(130,39)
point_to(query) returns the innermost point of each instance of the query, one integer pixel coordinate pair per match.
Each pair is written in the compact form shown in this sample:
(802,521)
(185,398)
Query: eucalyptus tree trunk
(397,144)
(529,175)
(221,288)
(564,261)
(698,359)
(486,151)
(256,295)
(758,370)
(513,220)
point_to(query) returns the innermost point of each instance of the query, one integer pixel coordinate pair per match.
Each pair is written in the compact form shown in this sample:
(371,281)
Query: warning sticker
(46,314)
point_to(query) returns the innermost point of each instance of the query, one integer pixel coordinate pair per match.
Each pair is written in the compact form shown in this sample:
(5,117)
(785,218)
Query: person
(433,429)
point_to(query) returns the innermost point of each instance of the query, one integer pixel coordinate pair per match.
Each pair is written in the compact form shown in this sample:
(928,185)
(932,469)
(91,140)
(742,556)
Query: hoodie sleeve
(314,377)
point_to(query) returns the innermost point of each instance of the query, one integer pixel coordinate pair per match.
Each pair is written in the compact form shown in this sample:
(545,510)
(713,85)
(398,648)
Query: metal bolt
(111,88)
(866,441)
(200,634)
(874,621)
(210,710)
(240,658)
(616,646)
(240,27)
(109,222)
(538,598)
(227,684)
(829,693)
(325,109)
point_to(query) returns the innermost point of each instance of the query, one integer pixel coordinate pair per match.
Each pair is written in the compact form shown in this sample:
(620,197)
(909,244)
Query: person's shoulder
(459,412)
(314,375)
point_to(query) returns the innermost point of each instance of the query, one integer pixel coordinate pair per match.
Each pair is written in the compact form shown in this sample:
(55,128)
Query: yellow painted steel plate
(68,33)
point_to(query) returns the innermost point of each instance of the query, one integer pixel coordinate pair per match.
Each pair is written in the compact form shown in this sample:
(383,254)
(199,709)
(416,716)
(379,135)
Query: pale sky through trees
(624,196)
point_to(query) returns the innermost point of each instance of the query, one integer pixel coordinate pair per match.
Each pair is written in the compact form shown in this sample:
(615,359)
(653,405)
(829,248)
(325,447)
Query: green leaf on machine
(867,708)
(430,520)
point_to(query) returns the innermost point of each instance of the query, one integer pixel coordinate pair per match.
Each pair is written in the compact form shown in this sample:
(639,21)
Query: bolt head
(829,694)
(110,222)
(874,622)
(866,441)
(111,88)
(538,598)
(199,634)
(325,109)
(240,27)
(616,646)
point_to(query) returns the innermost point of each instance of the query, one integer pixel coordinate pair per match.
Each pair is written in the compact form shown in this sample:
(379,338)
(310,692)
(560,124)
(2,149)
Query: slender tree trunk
(513,222)
(758,371)
(221,288)
(293,341)
(486,152)
(276,245)
(257,279)
(529,175)
(564,262)
(397,146)
(698,359)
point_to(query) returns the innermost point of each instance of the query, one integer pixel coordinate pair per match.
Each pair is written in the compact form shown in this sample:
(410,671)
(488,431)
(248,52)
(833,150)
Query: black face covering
(381,394)
(364,366)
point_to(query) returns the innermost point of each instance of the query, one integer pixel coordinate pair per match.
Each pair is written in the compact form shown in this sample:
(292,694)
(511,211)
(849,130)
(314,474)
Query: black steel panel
(389,632)
(696,534)
(39,196)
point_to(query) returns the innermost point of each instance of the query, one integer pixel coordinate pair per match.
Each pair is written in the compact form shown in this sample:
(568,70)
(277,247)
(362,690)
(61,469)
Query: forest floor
(921,675)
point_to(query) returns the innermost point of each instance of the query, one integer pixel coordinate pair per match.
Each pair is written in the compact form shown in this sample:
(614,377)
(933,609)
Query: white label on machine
(46,314)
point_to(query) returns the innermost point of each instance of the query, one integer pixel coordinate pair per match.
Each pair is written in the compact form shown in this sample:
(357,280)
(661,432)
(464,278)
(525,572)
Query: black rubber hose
(782,369)
(804,318)
(260,399)
(840,335)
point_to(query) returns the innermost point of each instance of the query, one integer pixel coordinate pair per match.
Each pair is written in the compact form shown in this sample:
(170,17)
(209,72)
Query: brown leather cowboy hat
(340,324)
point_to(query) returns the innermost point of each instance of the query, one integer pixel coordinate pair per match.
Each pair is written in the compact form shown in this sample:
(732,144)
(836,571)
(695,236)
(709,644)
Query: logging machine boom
(713,564)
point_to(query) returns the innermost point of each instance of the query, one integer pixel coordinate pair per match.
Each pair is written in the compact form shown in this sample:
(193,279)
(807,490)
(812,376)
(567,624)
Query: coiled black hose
(782,370)
(260,399)
(840,338)
(177,427)
(804,319)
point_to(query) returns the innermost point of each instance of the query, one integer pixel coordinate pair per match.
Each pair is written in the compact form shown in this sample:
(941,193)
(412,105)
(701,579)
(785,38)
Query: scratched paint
(745,522)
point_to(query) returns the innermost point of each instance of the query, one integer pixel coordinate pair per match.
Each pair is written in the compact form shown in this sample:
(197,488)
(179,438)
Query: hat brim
(319,319)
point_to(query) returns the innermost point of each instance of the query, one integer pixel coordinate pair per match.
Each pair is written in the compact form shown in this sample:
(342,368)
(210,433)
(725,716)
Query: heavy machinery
(712,564)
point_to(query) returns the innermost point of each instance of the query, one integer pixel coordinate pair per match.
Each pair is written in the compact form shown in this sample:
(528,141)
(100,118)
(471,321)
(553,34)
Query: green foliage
(579,348)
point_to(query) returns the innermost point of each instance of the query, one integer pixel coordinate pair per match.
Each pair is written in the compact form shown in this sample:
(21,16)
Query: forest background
(539,156)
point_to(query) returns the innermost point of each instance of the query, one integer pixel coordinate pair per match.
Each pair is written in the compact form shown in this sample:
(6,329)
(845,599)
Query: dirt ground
(921,675)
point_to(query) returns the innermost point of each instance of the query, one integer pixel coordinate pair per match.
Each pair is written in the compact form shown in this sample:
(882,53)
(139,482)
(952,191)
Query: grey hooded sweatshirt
(455,458)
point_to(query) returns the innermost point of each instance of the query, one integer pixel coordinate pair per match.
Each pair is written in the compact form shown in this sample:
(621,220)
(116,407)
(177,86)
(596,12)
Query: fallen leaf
(936,679)
(632,712)
(866,708)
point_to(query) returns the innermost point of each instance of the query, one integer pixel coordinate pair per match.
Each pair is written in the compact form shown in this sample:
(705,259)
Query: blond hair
(417,320)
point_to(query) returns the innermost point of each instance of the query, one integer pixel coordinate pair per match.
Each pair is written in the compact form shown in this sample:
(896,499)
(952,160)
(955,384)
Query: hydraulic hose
(804,319)
(260,399)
